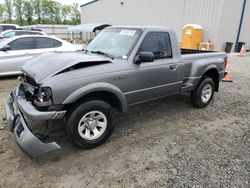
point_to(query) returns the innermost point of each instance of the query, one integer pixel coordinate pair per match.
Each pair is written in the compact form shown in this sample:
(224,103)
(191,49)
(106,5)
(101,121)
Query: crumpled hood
(49,64)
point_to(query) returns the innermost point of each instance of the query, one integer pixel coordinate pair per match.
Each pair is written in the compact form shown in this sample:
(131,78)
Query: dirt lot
(165,143)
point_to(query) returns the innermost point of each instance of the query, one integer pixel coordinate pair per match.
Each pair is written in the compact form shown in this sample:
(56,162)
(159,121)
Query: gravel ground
(165,143)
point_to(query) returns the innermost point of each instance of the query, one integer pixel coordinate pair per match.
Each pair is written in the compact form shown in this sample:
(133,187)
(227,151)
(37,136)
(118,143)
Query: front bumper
(25,139)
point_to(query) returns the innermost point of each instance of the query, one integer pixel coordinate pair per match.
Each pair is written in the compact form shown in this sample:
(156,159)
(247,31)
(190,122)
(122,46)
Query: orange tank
(191,36)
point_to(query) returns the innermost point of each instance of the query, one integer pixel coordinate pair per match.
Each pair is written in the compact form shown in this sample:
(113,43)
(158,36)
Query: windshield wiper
(103,53)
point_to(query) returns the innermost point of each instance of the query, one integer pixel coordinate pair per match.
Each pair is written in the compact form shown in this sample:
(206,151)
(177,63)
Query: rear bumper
(25,139)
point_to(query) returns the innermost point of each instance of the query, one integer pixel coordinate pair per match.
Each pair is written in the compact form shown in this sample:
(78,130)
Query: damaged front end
(20,104)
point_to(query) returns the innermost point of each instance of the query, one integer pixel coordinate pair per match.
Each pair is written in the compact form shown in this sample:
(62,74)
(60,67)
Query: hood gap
(81,65)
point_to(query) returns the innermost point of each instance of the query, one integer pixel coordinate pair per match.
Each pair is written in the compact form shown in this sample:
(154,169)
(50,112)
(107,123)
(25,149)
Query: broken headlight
(43,96)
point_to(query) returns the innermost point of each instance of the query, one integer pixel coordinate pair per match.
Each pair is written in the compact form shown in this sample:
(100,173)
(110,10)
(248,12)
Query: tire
(204,93)
(86,120)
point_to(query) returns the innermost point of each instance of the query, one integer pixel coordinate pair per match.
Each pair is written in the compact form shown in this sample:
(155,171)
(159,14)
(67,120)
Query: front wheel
(204,93)
(90,124)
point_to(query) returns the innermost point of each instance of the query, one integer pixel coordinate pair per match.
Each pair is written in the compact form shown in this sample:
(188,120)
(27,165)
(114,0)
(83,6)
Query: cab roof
(142,27)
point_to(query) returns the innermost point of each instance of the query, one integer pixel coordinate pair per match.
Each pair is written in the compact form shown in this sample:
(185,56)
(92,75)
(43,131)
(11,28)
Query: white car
(16,51)
(11,33)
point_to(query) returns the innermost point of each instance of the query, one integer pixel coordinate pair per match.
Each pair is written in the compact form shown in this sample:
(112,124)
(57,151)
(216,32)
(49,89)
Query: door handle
(173,67)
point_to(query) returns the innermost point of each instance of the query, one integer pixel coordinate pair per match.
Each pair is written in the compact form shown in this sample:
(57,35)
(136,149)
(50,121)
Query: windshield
(8,34)
(114,41)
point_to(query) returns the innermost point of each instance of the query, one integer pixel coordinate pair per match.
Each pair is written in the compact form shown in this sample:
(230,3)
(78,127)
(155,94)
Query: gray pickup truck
(121,67)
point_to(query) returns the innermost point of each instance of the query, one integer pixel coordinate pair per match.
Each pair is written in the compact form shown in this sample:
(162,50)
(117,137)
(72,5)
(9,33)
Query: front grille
(30,81)
(30,87)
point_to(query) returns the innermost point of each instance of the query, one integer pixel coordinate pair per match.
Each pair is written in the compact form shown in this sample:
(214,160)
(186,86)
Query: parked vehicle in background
(12,33)
(16,51)
(121,67)
(4,27)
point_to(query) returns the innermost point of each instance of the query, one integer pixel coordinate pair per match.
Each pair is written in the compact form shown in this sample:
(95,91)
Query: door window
(22,44)
(42,42)
(22,33)
(34,33)
(159,43)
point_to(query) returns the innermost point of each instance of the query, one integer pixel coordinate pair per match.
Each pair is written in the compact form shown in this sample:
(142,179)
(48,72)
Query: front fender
(73,97)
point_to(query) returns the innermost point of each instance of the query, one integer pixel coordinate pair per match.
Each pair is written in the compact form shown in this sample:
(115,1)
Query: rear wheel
(204,93)
(90,124)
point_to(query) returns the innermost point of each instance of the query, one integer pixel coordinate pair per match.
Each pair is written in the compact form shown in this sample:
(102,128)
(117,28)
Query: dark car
(4,27)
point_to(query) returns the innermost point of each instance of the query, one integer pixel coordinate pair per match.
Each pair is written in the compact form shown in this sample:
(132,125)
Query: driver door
(159,78)
(21,50)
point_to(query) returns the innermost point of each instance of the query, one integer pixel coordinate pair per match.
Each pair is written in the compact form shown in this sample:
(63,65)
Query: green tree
(19,11)
(76,16)
(39,11)
(45,10)
(28,11)
(56,8)
(50,12)
(2,11)
(37,7)
(9,9)
(65,12)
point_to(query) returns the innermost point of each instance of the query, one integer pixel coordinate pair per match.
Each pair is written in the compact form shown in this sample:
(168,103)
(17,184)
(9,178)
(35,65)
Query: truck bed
(188,54)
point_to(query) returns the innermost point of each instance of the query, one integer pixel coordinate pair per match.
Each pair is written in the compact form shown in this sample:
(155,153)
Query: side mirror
(5,48)
(144,57)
